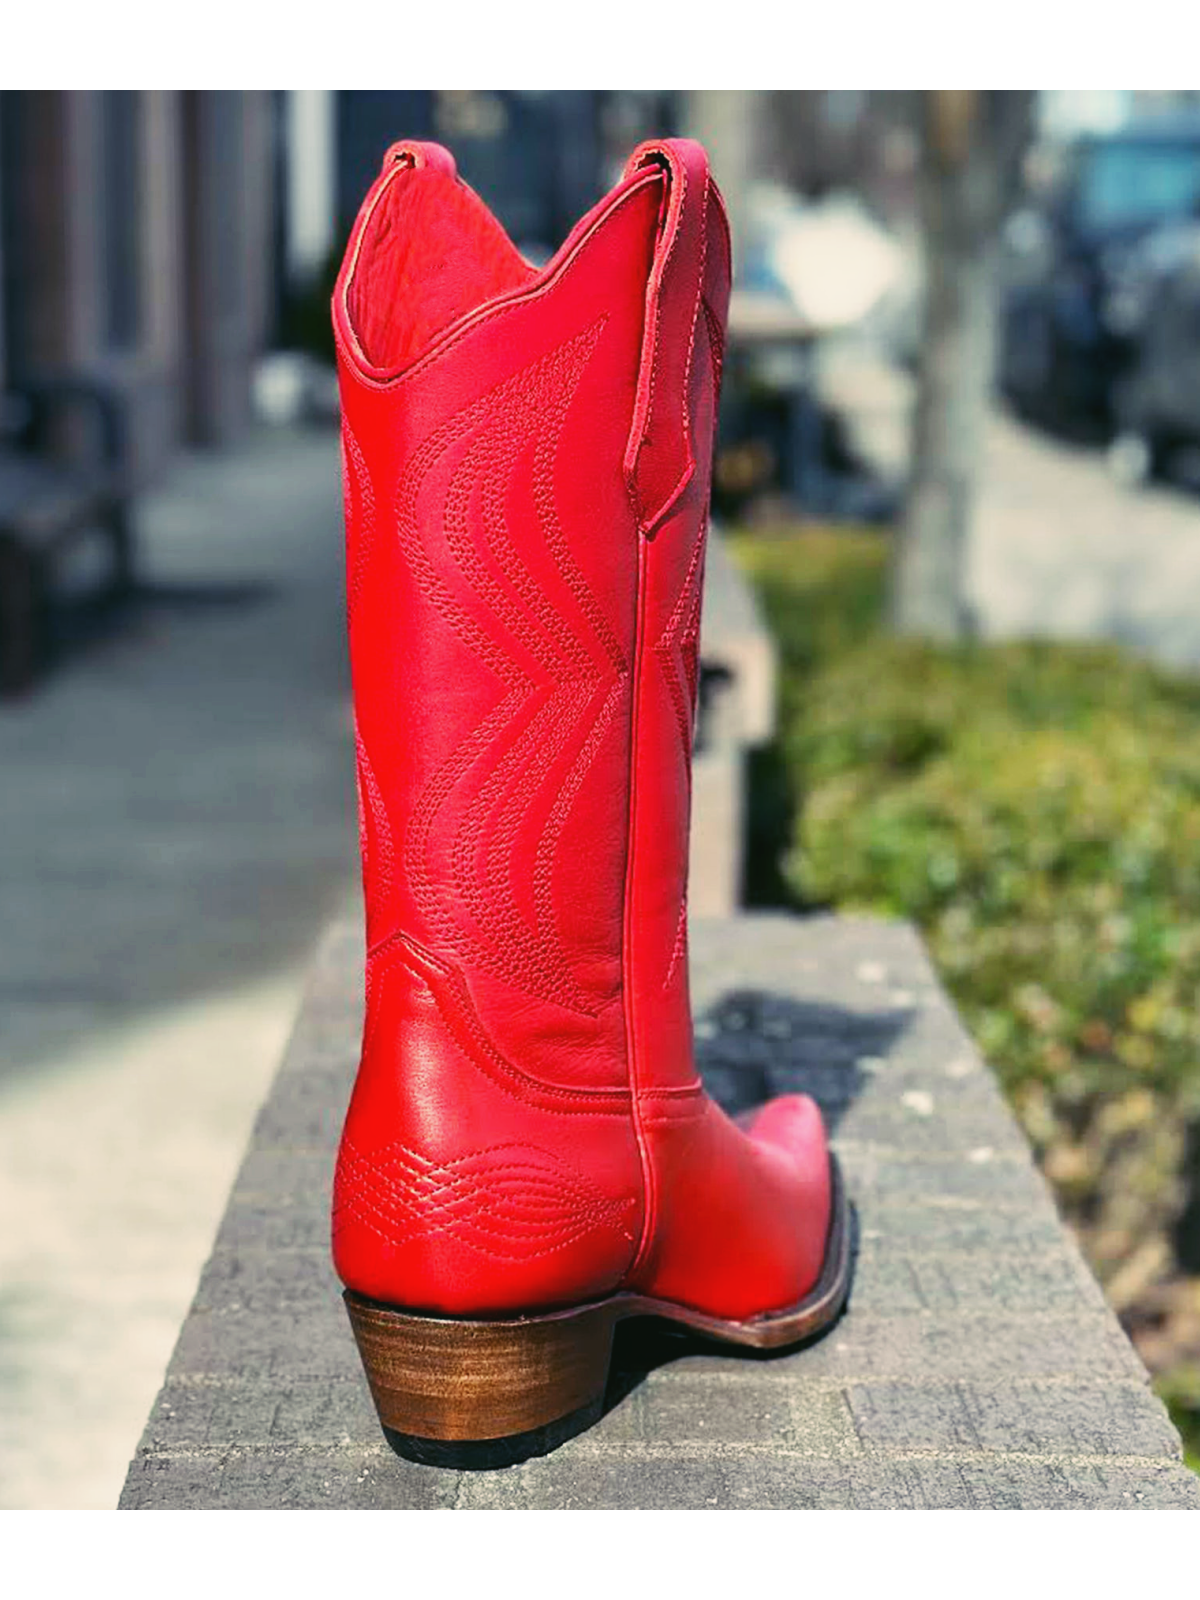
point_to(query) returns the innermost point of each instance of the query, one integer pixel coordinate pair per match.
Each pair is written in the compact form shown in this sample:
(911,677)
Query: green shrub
(1035,809)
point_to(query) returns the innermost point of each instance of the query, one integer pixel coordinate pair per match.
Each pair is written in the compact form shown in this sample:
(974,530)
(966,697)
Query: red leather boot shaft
(489,1159)
(527,464)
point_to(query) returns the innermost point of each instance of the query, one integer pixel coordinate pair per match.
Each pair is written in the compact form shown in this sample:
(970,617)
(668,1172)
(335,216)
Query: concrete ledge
(734,636)
(978,1364)
(737,657)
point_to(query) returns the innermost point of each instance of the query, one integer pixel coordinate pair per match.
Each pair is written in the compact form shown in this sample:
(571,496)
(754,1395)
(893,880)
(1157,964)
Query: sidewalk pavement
(176,828)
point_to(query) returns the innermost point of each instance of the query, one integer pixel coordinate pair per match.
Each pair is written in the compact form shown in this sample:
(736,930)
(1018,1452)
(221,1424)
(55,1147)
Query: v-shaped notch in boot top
(431,253)
(427,253)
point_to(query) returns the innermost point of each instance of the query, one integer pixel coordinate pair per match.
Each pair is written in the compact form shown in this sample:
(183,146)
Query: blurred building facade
(160,240)
(137,241)
(156,241)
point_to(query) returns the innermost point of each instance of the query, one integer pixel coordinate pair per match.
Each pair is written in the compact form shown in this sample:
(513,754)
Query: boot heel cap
(486,1455)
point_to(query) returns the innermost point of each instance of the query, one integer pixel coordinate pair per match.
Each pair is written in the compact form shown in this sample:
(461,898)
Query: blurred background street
(959,456)
(1123,562)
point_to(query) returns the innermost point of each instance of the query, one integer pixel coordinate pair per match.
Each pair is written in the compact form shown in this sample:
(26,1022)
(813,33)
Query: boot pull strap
(660,458)
(419,153)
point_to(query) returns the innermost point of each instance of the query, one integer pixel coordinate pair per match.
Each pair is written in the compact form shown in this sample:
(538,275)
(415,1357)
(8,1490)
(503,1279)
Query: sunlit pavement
(1061,551)
(1058,549)
(176,827)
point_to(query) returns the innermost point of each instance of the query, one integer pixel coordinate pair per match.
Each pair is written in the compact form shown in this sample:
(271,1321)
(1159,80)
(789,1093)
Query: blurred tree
(972,145)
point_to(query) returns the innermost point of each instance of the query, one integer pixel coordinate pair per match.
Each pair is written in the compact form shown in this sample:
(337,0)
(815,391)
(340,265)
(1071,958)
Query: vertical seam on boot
(649,1196)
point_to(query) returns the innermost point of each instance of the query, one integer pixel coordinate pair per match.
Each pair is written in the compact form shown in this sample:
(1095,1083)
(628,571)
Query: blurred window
(121,214)
(1130,185)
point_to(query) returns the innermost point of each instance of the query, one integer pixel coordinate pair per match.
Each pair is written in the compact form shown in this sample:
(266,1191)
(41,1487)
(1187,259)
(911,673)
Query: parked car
(1156,403)
(1066,329)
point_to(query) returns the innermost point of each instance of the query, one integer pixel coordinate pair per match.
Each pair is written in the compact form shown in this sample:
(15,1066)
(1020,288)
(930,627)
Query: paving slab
(977,1366)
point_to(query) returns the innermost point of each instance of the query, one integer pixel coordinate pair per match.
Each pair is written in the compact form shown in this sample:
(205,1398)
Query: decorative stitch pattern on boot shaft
(512,1202)
(561,670)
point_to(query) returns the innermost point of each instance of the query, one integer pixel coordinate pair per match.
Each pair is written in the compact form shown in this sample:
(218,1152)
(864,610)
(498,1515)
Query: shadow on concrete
(753,1045)
(188,597)
(94,621)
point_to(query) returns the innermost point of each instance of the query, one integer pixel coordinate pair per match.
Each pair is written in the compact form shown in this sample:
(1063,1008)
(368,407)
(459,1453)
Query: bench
(978,1364)
(59,509)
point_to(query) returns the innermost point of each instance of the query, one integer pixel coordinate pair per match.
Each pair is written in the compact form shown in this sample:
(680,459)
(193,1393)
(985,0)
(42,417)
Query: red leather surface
(527,458)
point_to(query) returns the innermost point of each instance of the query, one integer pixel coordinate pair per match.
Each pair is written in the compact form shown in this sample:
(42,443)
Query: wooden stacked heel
(453,1383)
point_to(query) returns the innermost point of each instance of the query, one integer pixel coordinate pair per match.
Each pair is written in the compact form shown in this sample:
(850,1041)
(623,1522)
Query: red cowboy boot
(529,1155)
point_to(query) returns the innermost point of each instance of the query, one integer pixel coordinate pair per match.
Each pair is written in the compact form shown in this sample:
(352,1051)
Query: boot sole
(470,1393)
